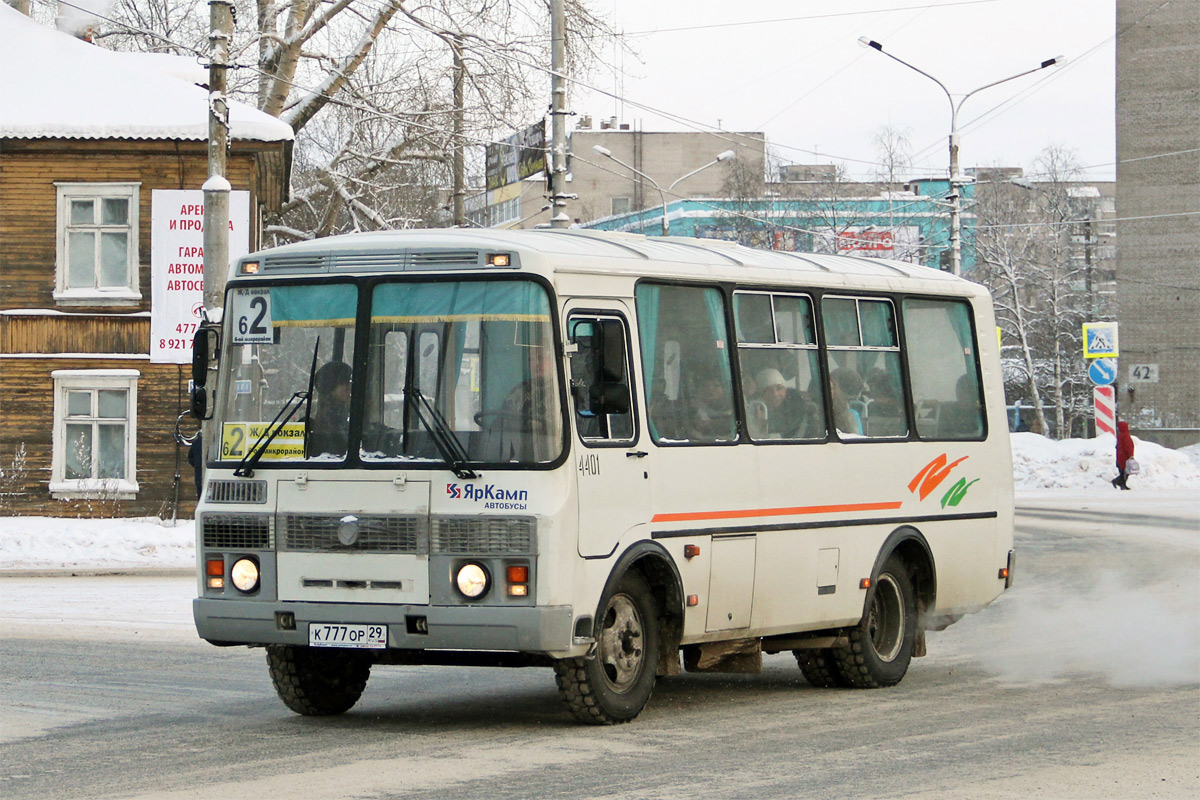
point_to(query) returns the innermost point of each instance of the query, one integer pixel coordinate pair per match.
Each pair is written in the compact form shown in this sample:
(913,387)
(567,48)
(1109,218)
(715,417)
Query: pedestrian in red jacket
(1124,453)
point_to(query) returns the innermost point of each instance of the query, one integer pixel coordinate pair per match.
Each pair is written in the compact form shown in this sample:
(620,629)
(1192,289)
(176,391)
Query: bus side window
(686,364)
(781,376)
(943,368)
(600,378)
(865,388)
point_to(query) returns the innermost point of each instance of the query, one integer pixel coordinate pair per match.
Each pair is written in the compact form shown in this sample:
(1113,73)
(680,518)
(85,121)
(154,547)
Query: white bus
(612,455)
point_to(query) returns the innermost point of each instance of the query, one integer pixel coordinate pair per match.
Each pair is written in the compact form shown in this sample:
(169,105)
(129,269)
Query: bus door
(611,473)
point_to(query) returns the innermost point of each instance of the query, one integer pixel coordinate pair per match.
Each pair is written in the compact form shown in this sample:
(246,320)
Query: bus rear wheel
(614,685)
(881,645)
(819,667)
(317,683)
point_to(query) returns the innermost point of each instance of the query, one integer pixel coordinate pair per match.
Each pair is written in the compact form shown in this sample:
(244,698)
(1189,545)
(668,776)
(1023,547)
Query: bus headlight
(244,575)
(472,581)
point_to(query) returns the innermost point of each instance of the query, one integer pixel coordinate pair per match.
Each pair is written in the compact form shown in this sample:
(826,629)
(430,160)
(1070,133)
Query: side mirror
(199,402)
(205,347)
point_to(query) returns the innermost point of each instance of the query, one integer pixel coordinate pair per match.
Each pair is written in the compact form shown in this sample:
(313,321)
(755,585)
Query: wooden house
(86,138)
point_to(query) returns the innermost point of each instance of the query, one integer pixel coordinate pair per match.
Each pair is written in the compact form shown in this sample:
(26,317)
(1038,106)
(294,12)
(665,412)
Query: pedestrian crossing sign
(1100,340)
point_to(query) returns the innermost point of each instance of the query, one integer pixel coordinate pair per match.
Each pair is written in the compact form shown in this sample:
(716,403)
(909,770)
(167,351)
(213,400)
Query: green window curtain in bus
(716,318)
(330,305)
(960,319)
(648,297)
(875,319)
(452,301)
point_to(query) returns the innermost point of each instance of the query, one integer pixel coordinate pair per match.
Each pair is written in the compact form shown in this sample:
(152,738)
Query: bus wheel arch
(903,587)
(637,627)
(913,549)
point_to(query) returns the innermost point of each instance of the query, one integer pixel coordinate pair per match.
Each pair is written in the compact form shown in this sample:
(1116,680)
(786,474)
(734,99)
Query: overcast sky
(795,70)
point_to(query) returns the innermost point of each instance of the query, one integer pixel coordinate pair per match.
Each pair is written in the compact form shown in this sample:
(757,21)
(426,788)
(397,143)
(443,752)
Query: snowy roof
(69,89)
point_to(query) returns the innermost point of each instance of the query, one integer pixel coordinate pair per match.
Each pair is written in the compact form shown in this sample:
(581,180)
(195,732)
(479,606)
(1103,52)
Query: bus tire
(819,667)
(614,685)
(317,683)
(881,645)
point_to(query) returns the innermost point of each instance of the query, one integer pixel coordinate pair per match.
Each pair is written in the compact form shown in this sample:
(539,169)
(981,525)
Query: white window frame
(127,295)
(90,379)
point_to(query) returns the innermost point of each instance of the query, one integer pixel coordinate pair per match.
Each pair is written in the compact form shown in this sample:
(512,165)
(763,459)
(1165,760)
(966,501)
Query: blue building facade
(912,226)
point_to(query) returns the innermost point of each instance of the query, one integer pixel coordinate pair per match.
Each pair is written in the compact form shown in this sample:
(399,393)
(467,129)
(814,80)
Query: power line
(471,139)
(745,23)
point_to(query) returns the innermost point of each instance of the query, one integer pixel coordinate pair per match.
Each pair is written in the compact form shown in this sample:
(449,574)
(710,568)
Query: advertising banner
(900,242)
(517,157)
(177,266)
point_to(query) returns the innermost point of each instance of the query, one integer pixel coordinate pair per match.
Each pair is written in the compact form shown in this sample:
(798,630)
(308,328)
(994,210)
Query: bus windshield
(474,358)
(454,371)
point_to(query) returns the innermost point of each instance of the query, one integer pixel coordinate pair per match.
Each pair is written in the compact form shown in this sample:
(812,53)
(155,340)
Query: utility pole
(216,188)
(558,115)
(460,215)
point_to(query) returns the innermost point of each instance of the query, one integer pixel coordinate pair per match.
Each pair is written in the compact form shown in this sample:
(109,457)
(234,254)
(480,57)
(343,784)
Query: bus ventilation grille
(294,262)
(483,535)
(318,533)
(237,531)
(237,492)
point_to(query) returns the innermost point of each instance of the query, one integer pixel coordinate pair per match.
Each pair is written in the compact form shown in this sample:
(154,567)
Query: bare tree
(893,149)
(367,87)
(1031,255)
(743,188)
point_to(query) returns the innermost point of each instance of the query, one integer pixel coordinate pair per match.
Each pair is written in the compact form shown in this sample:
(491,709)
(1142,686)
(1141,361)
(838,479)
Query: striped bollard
(1105,399)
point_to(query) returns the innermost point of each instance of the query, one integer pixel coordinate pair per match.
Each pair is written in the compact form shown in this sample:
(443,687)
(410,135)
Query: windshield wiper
(444,439)
(245,469)
(312,374)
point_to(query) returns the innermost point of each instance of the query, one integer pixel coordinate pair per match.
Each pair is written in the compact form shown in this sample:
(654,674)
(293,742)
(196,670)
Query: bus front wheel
(317,683)
(881,645)
(614,685)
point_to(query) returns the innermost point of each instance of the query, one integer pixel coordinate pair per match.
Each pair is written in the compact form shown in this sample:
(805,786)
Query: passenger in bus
(885,409)
(962,419)
(526,404)
(845,388)
(713,414)
(330,417)
(779,412)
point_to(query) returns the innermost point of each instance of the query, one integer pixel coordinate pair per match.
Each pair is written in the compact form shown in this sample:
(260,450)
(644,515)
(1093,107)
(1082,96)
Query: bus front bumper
(539,629)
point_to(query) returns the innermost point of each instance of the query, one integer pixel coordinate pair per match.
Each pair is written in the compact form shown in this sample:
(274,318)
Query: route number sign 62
(251,316)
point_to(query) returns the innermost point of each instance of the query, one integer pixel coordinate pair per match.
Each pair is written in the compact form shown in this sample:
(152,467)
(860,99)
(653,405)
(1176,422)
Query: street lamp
(666,224)
(957,180)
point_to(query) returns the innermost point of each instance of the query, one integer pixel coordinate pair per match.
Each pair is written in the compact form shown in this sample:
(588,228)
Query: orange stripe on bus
(695,516)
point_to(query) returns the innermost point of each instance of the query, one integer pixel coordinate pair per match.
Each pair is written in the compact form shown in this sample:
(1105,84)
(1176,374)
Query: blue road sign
(1103,371)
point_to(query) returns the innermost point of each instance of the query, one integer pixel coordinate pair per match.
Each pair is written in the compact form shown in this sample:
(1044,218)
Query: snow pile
(1041,463)
(95,544)
(1192,451)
